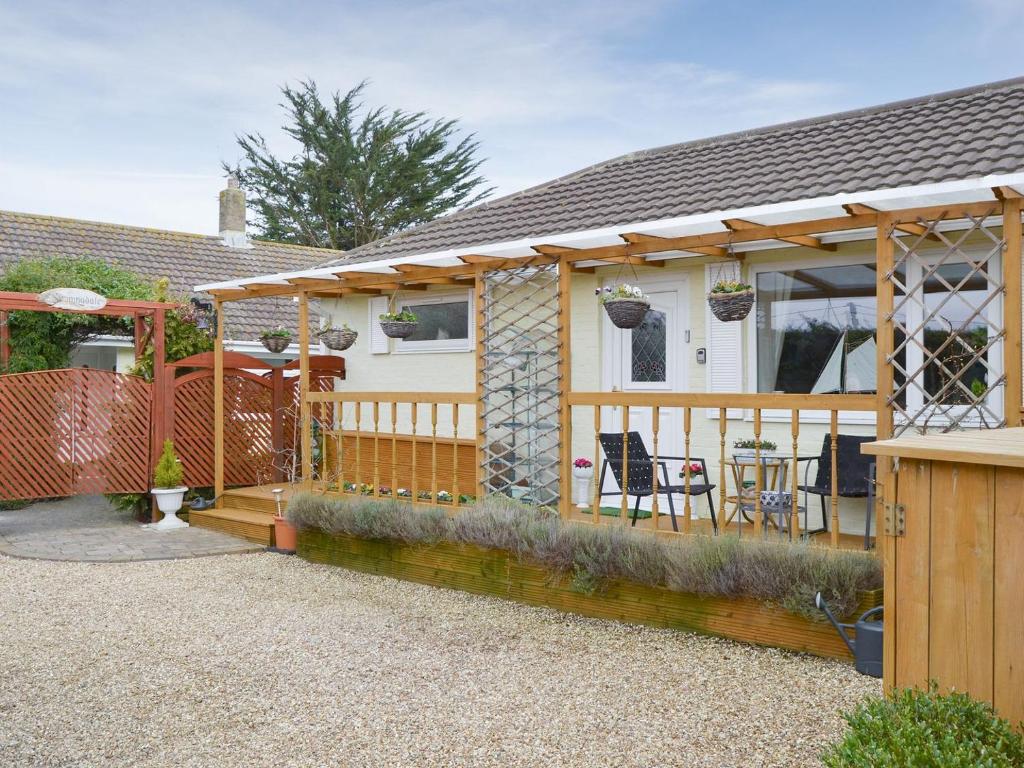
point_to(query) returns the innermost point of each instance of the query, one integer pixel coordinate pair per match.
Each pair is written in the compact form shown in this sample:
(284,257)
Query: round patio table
(774,471)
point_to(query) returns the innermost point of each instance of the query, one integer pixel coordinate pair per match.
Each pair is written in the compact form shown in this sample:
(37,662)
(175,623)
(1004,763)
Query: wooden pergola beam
(477,259)
(706,250)
(682,243)
(306,280)
(909,227)
(807,241)
(1006,193)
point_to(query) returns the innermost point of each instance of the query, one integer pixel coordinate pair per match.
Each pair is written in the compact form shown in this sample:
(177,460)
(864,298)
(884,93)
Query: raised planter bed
(497,573)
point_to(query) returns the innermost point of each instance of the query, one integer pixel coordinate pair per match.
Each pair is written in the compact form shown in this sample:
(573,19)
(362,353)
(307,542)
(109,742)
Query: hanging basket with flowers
(625,304)
(277,339)
(731,300)
(399,325)
(337,338)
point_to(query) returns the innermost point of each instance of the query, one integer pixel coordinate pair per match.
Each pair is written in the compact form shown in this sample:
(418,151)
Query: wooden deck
(249,513)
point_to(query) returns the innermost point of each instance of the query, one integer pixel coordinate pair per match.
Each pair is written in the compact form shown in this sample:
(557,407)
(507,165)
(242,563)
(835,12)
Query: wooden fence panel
(73,431)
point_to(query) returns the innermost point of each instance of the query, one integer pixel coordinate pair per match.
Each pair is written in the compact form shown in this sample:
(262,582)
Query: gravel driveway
(265,660)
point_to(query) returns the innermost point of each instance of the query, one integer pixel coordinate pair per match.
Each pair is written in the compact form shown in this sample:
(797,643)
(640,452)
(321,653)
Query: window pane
(439,322)
(815,330)
(649,348)
(955,331)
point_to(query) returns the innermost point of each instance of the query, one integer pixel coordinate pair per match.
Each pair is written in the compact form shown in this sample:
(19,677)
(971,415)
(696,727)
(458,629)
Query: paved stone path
(87,528)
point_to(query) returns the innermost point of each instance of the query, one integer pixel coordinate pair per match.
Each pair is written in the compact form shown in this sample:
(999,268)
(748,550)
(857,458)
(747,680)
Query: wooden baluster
(341,447)
(655,424)
(722,492)
(337,419)
(455,454)
(687,505)
(834,432)
(794,516)
(376,449)
(758,474)
(623,511)
(358,481)
(394,450)
(414,488)
(595,507)
(433,453)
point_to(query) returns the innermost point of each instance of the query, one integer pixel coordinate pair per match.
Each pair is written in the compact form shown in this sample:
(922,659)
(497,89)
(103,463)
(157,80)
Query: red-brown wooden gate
(260,409)
(73,431)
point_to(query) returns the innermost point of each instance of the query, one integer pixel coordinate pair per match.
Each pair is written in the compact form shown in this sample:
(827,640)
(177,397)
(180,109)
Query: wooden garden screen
(73,431)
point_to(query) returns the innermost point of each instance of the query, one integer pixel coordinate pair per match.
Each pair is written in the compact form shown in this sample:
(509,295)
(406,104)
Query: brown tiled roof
(954,135)
(186,259)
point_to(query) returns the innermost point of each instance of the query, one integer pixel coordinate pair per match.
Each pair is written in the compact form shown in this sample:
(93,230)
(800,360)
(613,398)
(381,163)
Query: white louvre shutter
(725,342)
(379,344)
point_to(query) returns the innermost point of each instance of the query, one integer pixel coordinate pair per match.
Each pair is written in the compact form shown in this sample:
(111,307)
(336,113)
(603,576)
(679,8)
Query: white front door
(650,358)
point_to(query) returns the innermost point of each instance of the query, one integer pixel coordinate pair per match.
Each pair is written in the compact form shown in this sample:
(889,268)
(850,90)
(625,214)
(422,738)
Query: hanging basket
(626,313)
(729,307)
(338,338)
(398,329)
(276,344)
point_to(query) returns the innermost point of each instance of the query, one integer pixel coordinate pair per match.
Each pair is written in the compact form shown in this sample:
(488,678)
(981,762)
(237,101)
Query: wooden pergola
(918,226)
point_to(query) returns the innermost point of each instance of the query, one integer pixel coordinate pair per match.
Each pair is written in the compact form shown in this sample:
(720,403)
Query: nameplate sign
(73,299)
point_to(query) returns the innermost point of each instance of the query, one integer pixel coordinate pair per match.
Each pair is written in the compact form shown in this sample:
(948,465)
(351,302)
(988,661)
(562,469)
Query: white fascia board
(940,193)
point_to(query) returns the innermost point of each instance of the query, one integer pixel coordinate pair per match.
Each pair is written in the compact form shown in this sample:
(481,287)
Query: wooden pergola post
(884,475)
(1012,313)
(480,368)
(564,388)
(304,405)
(218,402)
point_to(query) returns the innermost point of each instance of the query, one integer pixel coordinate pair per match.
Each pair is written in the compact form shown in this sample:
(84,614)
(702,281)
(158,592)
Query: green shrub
(787,575)
(913,728)
(169,472)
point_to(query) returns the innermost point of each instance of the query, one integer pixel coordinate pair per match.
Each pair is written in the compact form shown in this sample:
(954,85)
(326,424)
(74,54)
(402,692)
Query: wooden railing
(411,445)
(747,416)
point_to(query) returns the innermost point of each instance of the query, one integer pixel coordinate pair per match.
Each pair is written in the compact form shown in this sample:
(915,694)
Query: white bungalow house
(887,297)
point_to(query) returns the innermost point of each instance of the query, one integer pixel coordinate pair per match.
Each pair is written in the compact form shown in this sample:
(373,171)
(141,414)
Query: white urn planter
(169,501)
(581,477)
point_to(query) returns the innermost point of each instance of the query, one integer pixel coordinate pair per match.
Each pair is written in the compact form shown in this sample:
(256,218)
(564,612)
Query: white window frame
(750,379)
(403,347)
(993,314)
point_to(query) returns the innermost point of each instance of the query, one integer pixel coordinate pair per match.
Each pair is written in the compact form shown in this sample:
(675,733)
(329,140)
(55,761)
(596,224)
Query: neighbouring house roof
(969,133)
(186,259)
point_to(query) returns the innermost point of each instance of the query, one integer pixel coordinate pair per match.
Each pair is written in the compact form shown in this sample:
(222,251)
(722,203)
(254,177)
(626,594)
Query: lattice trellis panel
(73,431)
(520,404)
(948,327)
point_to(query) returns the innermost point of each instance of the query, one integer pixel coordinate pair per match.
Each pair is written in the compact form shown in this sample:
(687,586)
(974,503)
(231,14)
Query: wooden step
(251,501)
(248,524)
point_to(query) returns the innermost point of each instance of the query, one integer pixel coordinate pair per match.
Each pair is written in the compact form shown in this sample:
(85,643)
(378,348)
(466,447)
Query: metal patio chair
(855,478)
(641,475)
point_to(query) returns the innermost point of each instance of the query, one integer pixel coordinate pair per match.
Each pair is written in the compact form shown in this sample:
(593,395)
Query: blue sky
(123,111)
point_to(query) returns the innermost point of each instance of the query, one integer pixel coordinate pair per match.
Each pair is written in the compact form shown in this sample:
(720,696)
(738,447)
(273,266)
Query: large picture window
(816,330)
(444,323)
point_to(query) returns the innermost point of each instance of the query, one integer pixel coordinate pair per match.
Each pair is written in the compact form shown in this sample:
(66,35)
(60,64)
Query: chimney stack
(232,215)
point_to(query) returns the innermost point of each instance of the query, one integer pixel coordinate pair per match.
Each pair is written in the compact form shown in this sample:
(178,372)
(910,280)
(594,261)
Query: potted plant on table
(277,339)
(168,491)
(748,447)
(625,304)
(399,325)
(337,338)
(731,300)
